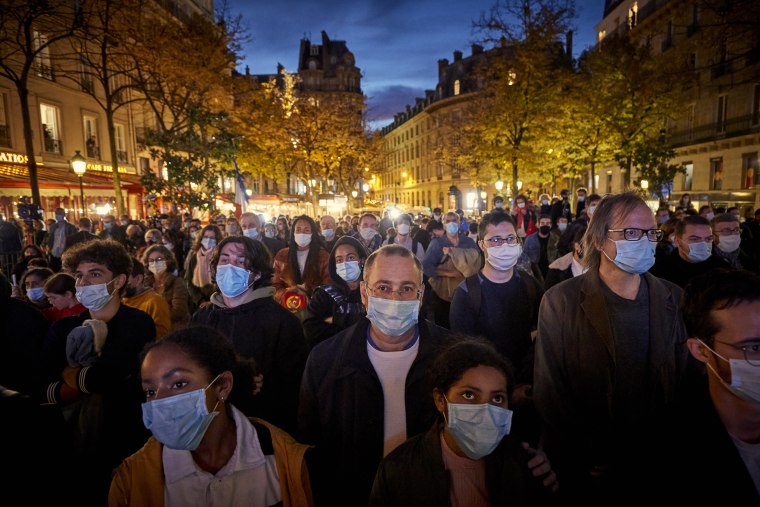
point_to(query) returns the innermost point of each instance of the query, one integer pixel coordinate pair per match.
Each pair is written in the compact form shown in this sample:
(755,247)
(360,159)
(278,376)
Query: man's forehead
(502,227)
(86,267)
(696,229)
(232,249)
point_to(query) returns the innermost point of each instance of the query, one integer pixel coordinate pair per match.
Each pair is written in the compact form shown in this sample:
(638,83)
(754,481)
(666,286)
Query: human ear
(697,349)
(439,400)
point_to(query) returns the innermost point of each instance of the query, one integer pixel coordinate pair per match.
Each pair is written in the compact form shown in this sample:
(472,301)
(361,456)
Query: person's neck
(388,343)
(109,311)
(454,239)
(401,237)
(740,417)
(302,248)
(237,300)
(218,444)
(622,283)
(543,235)
(353,285)
(497,275)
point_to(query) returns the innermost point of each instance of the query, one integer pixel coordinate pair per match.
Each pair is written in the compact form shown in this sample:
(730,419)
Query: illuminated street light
(79,166)
(644,184)
(365,187)
(519,185)
(354,193)
(499,185)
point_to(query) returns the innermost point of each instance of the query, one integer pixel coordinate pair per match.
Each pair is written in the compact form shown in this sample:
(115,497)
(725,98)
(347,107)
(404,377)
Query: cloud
(386,102)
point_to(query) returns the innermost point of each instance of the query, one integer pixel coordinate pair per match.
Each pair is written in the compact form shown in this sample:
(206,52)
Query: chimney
(457,56)
(569,43)
(442,64)
(476,49)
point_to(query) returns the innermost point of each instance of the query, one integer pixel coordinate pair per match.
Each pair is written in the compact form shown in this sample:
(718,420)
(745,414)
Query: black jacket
(267,332)
(344,306)
(414,475)
(679,271)
(341,410)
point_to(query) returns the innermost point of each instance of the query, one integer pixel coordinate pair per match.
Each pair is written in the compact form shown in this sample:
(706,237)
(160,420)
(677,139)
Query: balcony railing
(45,71)
(121,156)
(53,145)
(714,131)
(93,151)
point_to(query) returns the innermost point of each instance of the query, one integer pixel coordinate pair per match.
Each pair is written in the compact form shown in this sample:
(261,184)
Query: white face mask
(745,378)
(302,240)
(403,229)
(729,244)
(367,233)
(157,267)
(590,210)
(503,257)
(252,233)
(392,317)
(699,252)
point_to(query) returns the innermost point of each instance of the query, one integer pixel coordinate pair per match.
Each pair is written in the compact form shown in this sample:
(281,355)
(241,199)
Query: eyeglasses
(157,259)
(385,291)
(510,240)
(751,351)
(635,234)
(729,232)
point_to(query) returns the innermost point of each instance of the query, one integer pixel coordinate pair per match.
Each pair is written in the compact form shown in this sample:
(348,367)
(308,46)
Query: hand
(16,292)
(446,250)
(540,467)
(329,320)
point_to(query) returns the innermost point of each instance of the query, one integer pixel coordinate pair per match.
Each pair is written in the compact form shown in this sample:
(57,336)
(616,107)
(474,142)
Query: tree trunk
(23,94)
(114,163)
(514,176)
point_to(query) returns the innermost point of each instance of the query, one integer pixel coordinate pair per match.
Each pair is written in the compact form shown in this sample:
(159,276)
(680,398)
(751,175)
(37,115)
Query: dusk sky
(397,43)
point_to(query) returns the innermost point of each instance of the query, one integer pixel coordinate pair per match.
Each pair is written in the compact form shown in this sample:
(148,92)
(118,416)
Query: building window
(456,87)
(86,70)
(716,173)
(688,175)
(144,165)
(720,116)
(91,137)
(749,170)
(119,141)
(601,35)
(5,134)
(756,106)
(314,50)
(43,66)
(667,43)
(51,129)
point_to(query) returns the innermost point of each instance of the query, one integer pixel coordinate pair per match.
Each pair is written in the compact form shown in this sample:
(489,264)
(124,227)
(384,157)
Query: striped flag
(241,197)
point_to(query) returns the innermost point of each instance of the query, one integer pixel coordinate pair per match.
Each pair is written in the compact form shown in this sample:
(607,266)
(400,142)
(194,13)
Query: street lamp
(354,193)
(519,185)
(499,185)
(644,184)
(79,166)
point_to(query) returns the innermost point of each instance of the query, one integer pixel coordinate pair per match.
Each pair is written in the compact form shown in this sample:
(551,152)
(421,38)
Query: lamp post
(79,166)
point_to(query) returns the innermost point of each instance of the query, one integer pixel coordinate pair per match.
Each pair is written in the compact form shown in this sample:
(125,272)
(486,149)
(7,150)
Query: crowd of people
(542,353)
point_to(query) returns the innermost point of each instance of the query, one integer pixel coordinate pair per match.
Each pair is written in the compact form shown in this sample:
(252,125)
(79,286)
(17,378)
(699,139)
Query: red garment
(53,314)
(520,215)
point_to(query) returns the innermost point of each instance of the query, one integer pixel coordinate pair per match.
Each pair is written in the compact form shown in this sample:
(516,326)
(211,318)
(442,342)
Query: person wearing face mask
(193,385)
(367,232)
(693,254)
(113,230)
(500,303)
(564,245)
(537,247)
(707,212)
(30,252)
(197,272)
(243,309)
(83,234)
(337,305)
(56,239)
(328,227)
(60,291)
(569,265)
(714,424)
(363,391)
(142,296)
(251,224)
(303,265)
(403,226)
(728,242)
(580,202)
(561,208)
(233,227)
(32,287)
(162,265)
(103,398)
(610,353)
(470,455)
(524,217)
(498,203)
(449,259)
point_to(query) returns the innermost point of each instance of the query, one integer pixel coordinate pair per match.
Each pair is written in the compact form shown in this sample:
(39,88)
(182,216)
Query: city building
(718,139)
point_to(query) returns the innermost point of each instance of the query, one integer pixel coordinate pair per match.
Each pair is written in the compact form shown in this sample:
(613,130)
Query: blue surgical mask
(232,280)
(179,422)
(452,228)
(252,233)
(94,297)
(562,226)
(208,243)
(328,234)
(36,294)
(478,429)
(745,378)
(392,317)
(699,252)
(635,257)
(349,270)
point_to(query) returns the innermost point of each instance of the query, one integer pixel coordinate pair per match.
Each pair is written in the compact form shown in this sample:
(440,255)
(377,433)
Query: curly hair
(258,259)
(107,252)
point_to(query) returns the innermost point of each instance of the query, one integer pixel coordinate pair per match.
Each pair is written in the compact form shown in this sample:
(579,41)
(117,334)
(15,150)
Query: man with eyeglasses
(364,390)
(610,353)
(693,254)
(500,303)
(727,237)
(717,426)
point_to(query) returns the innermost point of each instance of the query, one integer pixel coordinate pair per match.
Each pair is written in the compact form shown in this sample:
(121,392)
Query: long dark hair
(361,252)
(311,266)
